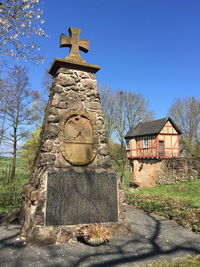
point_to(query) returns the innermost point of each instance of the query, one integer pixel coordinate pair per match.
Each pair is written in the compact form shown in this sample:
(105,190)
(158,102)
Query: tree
(130,109)
(186,113)
(40,101)
(122,110)
(118,157)
(17,114)
(20,23)
(47,81)
(136,109)
(36,109)
(28,150)
(107,104)
(3,107)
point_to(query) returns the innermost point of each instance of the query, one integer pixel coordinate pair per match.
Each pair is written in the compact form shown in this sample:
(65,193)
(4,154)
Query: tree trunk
(13,170)
(13,167)
(2,128)
(123,170)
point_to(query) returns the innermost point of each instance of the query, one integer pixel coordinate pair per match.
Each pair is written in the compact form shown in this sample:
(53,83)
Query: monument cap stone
(74,59)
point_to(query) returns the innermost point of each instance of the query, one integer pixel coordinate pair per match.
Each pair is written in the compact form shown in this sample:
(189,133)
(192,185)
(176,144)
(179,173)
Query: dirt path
(151,238)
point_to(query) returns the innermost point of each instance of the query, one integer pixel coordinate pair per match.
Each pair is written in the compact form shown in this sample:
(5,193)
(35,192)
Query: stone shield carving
(77,138)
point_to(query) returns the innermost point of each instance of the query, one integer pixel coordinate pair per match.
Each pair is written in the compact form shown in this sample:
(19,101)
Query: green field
(22,174)
(179,202)
(184,191)
(10,200)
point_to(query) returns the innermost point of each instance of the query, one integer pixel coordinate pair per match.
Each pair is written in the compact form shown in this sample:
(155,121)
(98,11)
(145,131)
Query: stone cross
(75,44)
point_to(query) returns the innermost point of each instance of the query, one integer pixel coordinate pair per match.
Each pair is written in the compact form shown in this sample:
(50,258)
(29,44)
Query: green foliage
(184,208)
(7,207)
(9,199)
(5,171)
(29,149)
(126,174)
(119,158)
(115,150)
(119,161)
(21,174)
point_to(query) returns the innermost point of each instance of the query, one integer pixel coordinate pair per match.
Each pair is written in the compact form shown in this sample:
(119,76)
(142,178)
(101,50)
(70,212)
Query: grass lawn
(187,262)
(179,202)
(184,191)
(22,174)
(22,177)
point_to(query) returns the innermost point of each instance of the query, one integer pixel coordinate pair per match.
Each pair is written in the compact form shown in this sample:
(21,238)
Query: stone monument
(72,183)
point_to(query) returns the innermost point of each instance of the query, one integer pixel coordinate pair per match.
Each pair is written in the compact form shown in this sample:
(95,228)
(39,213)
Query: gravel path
(151,238)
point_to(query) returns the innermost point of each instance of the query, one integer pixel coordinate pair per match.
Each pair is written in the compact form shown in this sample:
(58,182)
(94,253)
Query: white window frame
(146,142)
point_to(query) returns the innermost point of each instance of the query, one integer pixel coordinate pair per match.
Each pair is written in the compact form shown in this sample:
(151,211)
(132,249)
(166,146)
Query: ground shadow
(133,248)
(119,255)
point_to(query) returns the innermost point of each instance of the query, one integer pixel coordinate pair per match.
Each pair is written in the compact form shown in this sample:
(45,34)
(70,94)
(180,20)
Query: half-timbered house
(147,144)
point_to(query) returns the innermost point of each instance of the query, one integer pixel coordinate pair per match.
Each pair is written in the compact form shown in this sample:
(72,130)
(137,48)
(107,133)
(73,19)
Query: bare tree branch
(15,112)
(186,113)
(122,110)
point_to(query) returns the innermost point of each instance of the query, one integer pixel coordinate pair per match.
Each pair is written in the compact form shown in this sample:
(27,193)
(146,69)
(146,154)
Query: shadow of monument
(133,248)
(119,254)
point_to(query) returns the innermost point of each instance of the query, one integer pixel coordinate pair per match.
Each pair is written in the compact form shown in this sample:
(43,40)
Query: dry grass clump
(96,231)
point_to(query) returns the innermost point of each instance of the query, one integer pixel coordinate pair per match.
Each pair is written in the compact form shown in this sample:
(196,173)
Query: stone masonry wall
(151,172)
(178,170)
(144,172)
(72,91)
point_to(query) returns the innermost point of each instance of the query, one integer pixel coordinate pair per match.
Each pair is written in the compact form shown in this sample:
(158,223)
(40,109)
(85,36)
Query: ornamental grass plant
(96,231)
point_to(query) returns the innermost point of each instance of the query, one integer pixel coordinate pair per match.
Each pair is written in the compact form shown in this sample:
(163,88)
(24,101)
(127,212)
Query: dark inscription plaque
(76,198)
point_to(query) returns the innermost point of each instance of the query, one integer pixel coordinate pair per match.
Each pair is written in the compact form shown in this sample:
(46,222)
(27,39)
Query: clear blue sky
(151,47)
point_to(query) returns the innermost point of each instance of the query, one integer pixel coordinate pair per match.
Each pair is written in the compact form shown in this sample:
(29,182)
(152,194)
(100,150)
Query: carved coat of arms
(77,138)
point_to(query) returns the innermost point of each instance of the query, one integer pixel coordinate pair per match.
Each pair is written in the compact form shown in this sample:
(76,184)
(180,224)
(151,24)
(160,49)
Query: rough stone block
(47,146)
(64,80)
(52,131)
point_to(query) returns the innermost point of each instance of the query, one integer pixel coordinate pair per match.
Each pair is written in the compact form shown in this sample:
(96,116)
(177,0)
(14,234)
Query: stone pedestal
(72,183)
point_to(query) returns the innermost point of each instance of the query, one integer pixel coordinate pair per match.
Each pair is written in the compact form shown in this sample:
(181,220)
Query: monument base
(49,235)
(73,199)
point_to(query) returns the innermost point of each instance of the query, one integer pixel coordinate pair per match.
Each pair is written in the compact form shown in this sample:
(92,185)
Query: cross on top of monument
(74,59)
(75,45)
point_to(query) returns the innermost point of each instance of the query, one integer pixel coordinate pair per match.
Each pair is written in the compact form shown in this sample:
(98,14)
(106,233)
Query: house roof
(150,127)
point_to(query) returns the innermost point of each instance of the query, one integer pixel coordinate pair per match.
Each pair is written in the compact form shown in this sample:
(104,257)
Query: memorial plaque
(81,197)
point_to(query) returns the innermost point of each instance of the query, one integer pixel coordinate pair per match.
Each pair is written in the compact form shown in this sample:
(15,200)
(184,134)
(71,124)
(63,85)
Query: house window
(127,144)
(146,142)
